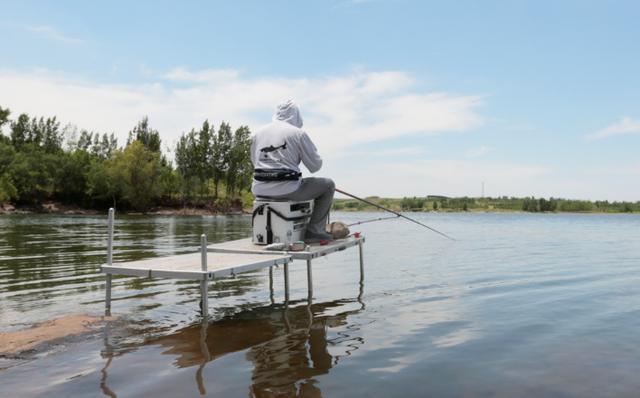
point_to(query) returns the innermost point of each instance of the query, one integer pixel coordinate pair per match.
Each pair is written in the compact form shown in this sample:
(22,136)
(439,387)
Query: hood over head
(288,112)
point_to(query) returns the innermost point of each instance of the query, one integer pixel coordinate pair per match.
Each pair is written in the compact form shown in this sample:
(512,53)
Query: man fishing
(276,152)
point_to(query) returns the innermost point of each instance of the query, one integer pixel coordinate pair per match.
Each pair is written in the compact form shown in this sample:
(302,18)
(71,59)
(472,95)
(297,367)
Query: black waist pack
(276,175)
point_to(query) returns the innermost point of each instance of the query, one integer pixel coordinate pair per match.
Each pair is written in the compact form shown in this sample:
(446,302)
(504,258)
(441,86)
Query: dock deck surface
(218,261)
(245,246)
(189,266)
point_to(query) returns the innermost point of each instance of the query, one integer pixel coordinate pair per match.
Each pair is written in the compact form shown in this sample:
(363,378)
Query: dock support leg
(361,262)
(286,282)
(204,293)
(204,283)
(107,301)
(309,279)
(110,236)
(271,285)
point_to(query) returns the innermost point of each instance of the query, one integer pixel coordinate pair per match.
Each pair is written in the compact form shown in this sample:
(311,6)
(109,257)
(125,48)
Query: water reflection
(48,261)
(108,354)
(521,305)
(297,349)
(288,345)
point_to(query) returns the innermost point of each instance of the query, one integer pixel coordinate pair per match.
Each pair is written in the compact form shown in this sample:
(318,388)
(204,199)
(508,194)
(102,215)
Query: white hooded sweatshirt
(282,144)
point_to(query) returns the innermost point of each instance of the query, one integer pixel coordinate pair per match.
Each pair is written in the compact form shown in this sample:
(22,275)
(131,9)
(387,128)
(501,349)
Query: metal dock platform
(221,260)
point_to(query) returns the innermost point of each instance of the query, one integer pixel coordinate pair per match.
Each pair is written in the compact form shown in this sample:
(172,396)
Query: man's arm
(310,156)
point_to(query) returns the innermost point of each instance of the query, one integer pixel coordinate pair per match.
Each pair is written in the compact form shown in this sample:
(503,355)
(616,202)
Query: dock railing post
(271,285)
(107,301)
(309,280)
(204,285)
(361,260)
(286,282)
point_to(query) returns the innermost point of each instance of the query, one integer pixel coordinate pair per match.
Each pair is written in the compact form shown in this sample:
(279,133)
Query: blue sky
(402,97)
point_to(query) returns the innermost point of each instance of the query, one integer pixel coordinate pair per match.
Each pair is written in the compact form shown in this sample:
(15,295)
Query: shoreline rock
(16,342)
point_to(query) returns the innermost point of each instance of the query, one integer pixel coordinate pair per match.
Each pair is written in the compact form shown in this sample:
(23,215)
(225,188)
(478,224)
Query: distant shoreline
(61,209)
(489,205)
(429,204)
(57,209)
(494,211)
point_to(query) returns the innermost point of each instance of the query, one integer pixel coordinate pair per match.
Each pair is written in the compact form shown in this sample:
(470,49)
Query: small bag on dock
(338,230)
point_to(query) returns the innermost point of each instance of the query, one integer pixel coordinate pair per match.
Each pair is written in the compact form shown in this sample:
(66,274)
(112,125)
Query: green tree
(33,173)
(4,117)
(7,154)
(52,137)
(530,205)
(71,177)
(139,170)
(84,141)
(405,204)
(149,137)
(187,163)
(96,145)
(20,131)
(8,191)
(221,155)
(543,205)
(103,186)
(40,133)
(108,145)
(239,169)
(412,203)
(169,184)
(203,153)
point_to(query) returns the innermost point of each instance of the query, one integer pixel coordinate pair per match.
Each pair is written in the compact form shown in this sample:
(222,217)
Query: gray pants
(321,191)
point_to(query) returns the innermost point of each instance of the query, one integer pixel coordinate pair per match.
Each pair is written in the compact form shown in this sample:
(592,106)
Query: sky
(402,98)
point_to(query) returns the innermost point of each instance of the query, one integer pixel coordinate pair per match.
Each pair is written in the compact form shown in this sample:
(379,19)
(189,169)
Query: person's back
(280,145)
(276,152)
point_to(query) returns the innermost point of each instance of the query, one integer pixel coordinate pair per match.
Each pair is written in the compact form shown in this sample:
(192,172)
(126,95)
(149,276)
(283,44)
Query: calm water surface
(522,305)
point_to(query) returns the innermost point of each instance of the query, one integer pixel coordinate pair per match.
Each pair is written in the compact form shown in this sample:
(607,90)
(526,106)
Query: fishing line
(393,212)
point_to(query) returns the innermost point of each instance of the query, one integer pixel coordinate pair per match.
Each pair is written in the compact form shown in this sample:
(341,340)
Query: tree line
(40,161)
(504,203)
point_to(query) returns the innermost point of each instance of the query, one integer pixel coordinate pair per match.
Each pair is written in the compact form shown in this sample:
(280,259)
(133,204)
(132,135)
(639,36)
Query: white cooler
(279,221)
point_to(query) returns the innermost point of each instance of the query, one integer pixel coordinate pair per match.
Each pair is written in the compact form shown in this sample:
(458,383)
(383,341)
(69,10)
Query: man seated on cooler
(276,152)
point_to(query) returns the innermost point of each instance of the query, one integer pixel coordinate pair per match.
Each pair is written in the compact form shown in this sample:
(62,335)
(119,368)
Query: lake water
(521,305)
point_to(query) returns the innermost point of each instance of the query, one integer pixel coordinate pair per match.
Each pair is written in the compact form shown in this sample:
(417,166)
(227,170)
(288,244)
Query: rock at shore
(13,343)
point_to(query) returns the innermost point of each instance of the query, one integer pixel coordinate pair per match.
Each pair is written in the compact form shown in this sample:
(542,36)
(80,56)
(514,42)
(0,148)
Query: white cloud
(448,177)
(339,111)
(454,177)
(478,152)
(49,32)
(388,152)
(624,126)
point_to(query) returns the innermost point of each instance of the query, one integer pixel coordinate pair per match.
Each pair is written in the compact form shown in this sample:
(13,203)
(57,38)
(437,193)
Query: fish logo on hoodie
(268,152)
(272,148)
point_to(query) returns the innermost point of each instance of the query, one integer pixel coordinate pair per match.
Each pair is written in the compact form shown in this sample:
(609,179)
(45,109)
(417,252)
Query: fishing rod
(393,212)
(372,220)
